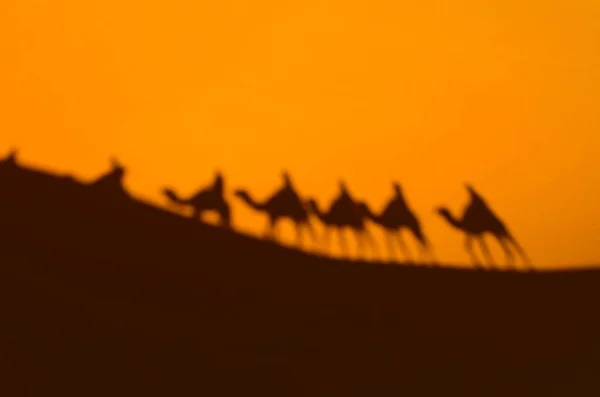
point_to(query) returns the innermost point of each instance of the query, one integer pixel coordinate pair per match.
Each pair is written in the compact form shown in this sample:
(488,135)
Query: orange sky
(502,94)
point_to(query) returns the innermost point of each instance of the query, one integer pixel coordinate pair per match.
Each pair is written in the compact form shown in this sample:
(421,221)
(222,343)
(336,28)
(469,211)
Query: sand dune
(103,295)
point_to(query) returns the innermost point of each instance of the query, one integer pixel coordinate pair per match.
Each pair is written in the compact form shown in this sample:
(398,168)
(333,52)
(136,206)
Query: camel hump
(112,180)
(11,158)
(116,172)
(218,184)
(477,202)
(344,197)
(343,187)
(114,162)
(473,194)
(287,194)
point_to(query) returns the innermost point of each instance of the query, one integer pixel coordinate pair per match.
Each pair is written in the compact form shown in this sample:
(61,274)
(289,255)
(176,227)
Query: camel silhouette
(112,181)
(11,159)
(343,213)
(396,216)
(211,198)
(477,220)
(284,203)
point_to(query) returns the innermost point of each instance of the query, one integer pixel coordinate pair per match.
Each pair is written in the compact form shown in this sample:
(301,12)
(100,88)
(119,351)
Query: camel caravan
(345,212)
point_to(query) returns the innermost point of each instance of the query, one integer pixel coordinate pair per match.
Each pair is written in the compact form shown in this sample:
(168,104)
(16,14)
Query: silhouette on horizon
(112,182)
(343,213)
(284,203)
(396,216)
(477,220)
(10,160)
(211,198)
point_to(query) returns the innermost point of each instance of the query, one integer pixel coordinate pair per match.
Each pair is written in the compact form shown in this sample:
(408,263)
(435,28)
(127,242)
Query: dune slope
(102,294)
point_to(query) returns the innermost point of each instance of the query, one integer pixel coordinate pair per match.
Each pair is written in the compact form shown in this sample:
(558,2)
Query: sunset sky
(503,94)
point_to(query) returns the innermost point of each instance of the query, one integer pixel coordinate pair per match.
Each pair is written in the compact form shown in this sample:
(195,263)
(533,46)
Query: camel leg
(369,237)
(196,214)
(363,236)
(276,229)
(403,247)
(225,215)
(423,248)
(431,254)
(520,250)
(422,256)
(421,243)
(343,244)
(510,259)
(486,252)
(270,229)
(469,248)
(360,244)
(425,252)
(390,242)
(298,234)
(311,231)
(326,239)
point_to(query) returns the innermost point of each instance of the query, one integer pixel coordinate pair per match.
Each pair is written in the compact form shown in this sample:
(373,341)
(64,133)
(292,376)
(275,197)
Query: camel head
(117,168)
(242,193)
(312,205)
(170,194)
(448,217)
(443,211)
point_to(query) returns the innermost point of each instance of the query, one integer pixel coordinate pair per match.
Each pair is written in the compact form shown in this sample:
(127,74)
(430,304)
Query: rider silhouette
(218,184)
